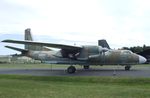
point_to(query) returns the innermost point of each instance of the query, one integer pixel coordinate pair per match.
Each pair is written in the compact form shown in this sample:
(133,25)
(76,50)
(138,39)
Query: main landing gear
(127,67)
(86,67)
(71,69)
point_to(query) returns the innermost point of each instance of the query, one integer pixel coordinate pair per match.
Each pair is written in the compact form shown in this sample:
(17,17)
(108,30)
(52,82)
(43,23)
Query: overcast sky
(120,22)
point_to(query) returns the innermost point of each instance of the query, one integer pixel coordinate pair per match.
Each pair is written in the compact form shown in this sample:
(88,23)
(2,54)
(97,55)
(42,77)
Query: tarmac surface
(118,72)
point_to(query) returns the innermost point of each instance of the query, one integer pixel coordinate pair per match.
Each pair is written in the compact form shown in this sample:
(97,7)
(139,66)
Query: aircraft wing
(15,48)
(60,46)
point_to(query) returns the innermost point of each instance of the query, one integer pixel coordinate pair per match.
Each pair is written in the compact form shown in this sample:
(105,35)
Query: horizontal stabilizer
(60,46)
(17,49)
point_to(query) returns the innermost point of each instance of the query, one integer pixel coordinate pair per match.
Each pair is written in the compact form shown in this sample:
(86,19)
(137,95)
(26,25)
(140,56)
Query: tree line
(137,49)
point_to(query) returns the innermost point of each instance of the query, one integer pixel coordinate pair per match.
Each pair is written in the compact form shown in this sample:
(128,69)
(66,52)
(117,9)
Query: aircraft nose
(142,59)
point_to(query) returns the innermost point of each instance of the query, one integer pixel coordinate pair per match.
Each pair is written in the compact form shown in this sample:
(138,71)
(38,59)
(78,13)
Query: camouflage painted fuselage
(113,57)
(72,55)
(88,55)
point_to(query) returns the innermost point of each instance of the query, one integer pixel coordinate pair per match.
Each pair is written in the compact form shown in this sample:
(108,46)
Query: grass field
(20,86)
(32,66)
(15,86)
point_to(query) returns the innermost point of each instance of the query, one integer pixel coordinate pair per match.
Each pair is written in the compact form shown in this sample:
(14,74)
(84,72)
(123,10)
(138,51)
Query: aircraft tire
(71,69)
(127,67)
(86,67)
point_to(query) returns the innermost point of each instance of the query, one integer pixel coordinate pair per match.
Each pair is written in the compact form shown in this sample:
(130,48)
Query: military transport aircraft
(85,55)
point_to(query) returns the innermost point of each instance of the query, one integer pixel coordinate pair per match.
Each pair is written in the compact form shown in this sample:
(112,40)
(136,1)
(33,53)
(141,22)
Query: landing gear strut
(86,67)
(127,67)
(71,69)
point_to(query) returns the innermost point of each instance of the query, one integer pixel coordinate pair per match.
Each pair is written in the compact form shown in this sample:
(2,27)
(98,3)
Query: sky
(123,23)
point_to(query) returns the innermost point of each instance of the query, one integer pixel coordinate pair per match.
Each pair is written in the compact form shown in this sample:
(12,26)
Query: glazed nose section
(142,59)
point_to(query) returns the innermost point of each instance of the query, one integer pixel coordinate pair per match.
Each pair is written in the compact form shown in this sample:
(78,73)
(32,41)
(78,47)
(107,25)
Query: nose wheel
(127,67)
(71,69)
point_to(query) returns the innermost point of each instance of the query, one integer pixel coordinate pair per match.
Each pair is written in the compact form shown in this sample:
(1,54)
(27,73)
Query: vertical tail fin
(103,43)
(28,37)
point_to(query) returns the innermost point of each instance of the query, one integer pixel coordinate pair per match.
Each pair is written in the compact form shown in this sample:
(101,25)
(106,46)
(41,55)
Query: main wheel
(71,69)
(86,67)
(127,67)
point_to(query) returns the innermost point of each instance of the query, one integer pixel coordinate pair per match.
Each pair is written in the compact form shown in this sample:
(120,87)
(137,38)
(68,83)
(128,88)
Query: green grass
(31,66)
(34,66)
(19,86)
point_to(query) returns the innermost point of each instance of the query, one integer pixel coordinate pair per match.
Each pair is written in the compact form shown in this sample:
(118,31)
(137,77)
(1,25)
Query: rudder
(28,37)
